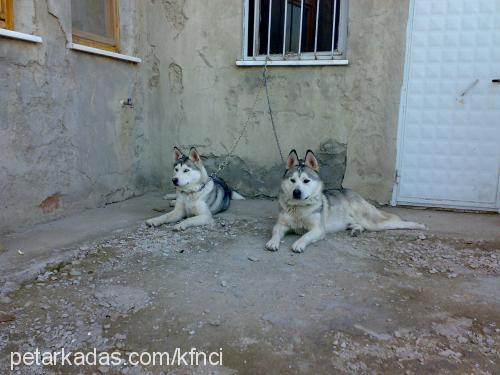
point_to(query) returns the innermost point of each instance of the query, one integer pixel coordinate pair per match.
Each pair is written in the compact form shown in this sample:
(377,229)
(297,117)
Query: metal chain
(225,163)
(271,113)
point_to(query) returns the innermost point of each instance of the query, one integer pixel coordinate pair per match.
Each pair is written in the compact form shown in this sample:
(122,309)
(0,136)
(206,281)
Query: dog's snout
(175,180)
(297,194)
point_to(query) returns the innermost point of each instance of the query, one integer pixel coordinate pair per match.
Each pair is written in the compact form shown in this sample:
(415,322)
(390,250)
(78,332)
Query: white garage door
(449,128)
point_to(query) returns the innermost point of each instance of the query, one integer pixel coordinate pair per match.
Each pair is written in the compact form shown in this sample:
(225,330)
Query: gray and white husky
(306,209)
(198,196)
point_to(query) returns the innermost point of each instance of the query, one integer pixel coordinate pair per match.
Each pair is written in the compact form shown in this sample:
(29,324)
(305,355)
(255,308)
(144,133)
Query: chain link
(230,154)
(271,113)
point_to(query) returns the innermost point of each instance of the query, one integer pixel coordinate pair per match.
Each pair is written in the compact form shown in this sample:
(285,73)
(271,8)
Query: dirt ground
(400,302)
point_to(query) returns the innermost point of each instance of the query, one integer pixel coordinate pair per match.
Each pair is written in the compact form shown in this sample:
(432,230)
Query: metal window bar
(316,30)
(342,42)
(300,27)
(245,29)
(269,28)
(334,20)
(316,54)
(284,29)
(256,20)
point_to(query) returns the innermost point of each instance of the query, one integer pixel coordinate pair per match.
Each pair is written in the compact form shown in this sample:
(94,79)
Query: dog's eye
(177,169)
(306,181)
(292,180)
(186,170)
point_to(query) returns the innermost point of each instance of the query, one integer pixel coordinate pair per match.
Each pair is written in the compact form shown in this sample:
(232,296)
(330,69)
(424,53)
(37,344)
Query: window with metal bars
(300,30)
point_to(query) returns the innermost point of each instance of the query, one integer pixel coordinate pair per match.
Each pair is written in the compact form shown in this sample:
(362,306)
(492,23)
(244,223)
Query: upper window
(95,23)
(295,29)
(6,15)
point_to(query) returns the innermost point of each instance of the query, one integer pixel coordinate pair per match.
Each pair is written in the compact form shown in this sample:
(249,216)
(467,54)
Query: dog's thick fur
(306,208)
(198,196)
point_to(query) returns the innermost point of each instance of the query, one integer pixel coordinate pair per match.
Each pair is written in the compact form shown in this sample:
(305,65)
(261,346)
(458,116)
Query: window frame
(98,41)
(252,58)
(8,22)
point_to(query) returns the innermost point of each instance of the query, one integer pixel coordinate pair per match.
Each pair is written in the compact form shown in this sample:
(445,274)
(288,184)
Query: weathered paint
(63,129)
(355,105)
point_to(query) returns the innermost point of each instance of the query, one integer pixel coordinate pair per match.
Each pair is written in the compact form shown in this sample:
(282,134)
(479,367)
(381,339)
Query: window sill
(20,36)
(319,62)
(102,52)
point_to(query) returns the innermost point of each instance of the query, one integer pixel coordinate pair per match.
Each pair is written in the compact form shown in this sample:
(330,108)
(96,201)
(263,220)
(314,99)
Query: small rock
(462,340)
(103,369)
(422,236)
(75,273)
(223,283)
(7,318)
(253,259)
(450,354)
(5,300)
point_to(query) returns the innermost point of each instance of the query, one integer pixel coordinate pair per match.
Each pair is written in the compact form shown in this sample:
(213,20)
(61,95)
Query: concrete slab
(389,302)
(25,252)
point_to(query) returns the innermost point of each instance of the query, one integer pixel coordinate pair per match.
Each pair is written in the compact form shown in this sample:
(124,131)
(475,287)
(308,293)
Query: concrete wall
(65,140)
(332,109)
(67,143)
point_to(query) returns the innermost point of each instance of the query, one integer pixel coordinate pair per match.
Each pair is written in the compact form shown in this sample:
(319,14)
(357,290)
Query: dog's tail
(235,196)
(373,219)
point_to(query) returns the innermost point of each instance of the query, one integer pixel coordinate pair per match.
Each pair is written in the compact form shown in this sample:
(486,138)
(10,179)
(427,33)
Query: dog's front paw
(152,223)
(179,227)
(356,230)
(298,246)
(273,244)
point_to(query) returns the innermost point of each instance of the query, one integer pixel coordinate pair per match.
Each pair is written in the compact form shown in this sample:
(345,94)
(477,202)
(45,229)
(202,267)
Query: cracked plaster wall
(67,143)
(354,107)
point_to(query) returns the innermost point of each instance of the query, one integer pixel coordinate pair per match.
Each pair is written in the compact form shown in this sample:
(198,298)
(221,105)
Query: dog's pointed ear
(178,155)
(293,159)
(311,161)
(194,156)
